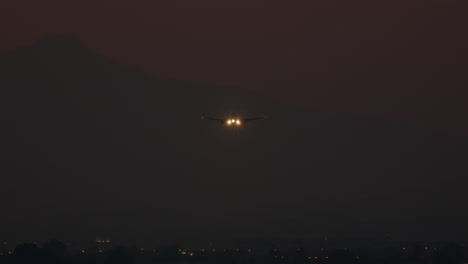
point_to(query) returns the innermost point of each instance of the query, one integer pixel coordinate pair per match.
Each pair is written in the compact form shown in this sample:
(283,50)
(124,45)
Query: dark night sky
(401,60)
(367,136)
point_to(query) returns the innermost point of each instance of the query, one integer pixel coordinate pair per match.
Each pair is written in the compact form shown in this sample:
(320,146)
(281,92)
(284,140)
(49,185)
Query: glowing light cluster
(103,241)
(233,122)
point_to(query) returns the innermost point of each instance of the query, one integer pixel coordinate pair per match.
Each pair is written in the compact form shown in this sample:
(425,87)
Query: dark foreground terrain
(55,252)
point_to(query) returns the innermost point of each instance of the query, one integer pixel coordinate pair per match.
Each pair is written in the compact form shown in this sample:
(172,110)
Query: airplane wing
(253,118)
(214,119)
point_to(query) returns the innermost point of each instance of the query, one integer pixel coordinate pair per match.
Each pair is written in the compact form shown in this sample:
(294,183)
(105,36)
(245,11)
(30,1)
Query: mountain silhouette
(126,153)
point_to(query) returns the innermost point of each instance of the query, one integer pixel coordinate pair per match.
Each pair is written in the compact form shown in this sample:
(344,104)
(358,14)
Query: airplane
(234,120)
